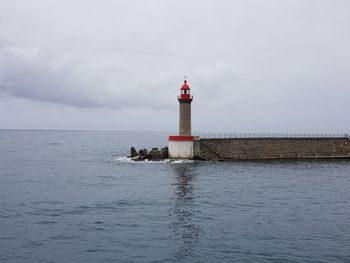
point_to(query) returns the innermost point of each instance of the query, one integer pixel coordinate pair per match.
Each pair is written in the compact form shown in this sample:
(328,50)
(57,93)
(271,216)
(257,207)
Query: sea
(74,196)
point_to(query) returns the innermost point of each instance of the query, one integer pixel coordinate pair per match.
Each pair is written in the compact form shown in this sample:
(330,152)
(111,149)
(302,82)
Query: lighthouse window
(185,91)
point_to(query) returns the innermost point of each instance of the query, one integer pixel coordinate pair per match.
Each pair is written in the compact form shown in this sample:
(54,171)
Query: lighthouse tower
(181,146)
(185,100)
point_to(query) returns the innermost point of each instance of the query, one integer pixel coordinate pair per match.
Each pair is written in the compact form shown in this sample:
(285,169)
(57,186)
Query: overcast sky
(253,66)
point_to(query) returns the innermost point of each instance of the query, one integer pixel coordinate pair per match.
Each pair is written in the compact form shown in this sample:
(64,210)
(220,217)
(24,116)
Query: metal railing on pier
(205,135)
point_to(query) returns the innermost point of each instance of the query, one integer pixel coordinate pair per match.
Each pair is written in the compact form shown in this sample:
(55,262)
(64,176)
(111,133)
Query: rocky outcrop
(153,155)
(133,152)
(166,152)
(145,152)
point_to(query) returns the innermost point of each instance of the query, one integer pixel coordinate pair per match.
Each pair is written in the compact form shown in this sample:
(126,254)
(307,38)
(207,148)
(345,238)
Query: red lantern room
(185,92)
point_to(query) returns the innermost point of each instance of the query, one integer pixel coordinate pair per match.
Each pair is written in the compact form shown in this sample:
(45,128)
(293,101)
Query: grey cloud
(31,74)
(24,73)
(63,78)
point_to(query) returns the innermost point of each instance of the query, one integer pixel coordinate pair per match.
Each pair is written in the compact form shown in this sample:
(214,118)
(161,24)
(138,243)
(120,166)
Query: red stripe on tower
(180,138)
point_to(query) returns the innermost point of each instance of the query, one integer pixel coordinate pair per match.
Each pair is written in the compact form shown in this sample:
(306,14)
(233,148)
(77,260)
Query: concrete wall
(180,149)
(271,148)
(185,118)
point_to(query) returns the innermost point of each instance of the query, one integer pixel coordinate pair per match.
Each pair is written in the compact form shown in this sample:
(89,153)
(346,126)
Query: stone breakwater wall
(271,148)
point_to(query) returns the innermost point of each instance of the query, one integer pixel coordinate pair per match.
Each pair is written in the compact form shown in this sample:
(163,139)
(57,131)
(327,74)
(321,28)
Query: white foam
(125,159)
(181,161)
(122,159)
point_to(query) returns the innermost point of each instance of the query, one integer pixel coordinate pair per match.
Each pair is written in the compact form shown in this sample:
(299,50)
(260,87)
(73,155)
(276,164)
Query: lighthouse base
(181,147)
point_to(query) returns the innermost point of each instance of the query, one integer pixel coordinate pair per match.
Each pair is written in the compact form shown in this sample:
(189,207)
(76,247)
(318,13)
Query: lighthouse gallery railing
(215,135)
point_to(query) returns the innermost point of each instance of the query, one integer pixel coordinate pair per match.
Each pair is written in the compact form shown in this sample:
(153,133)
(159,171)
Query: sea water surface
(72,196)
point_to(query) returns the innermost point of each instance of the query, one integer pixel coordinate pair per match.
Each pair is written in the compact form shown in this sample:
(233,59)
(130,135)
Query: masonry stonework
(185,118)
(271,148)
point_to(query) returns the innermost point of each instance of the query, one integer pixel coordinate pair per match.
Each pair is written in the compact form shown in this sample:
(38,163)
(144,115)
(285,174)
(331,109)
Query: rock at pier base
(145,152)
(133,152)
(138,158)
(153,155)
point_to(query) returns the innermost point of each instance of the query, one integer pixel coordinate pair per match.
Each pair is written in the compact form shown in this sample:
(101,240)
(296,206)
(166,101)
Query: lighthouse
(181,146)
(185,100)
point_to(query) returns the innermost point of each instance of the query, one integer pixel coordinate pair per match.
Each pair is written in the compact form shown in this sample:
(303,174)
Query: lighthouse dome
(185,86)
